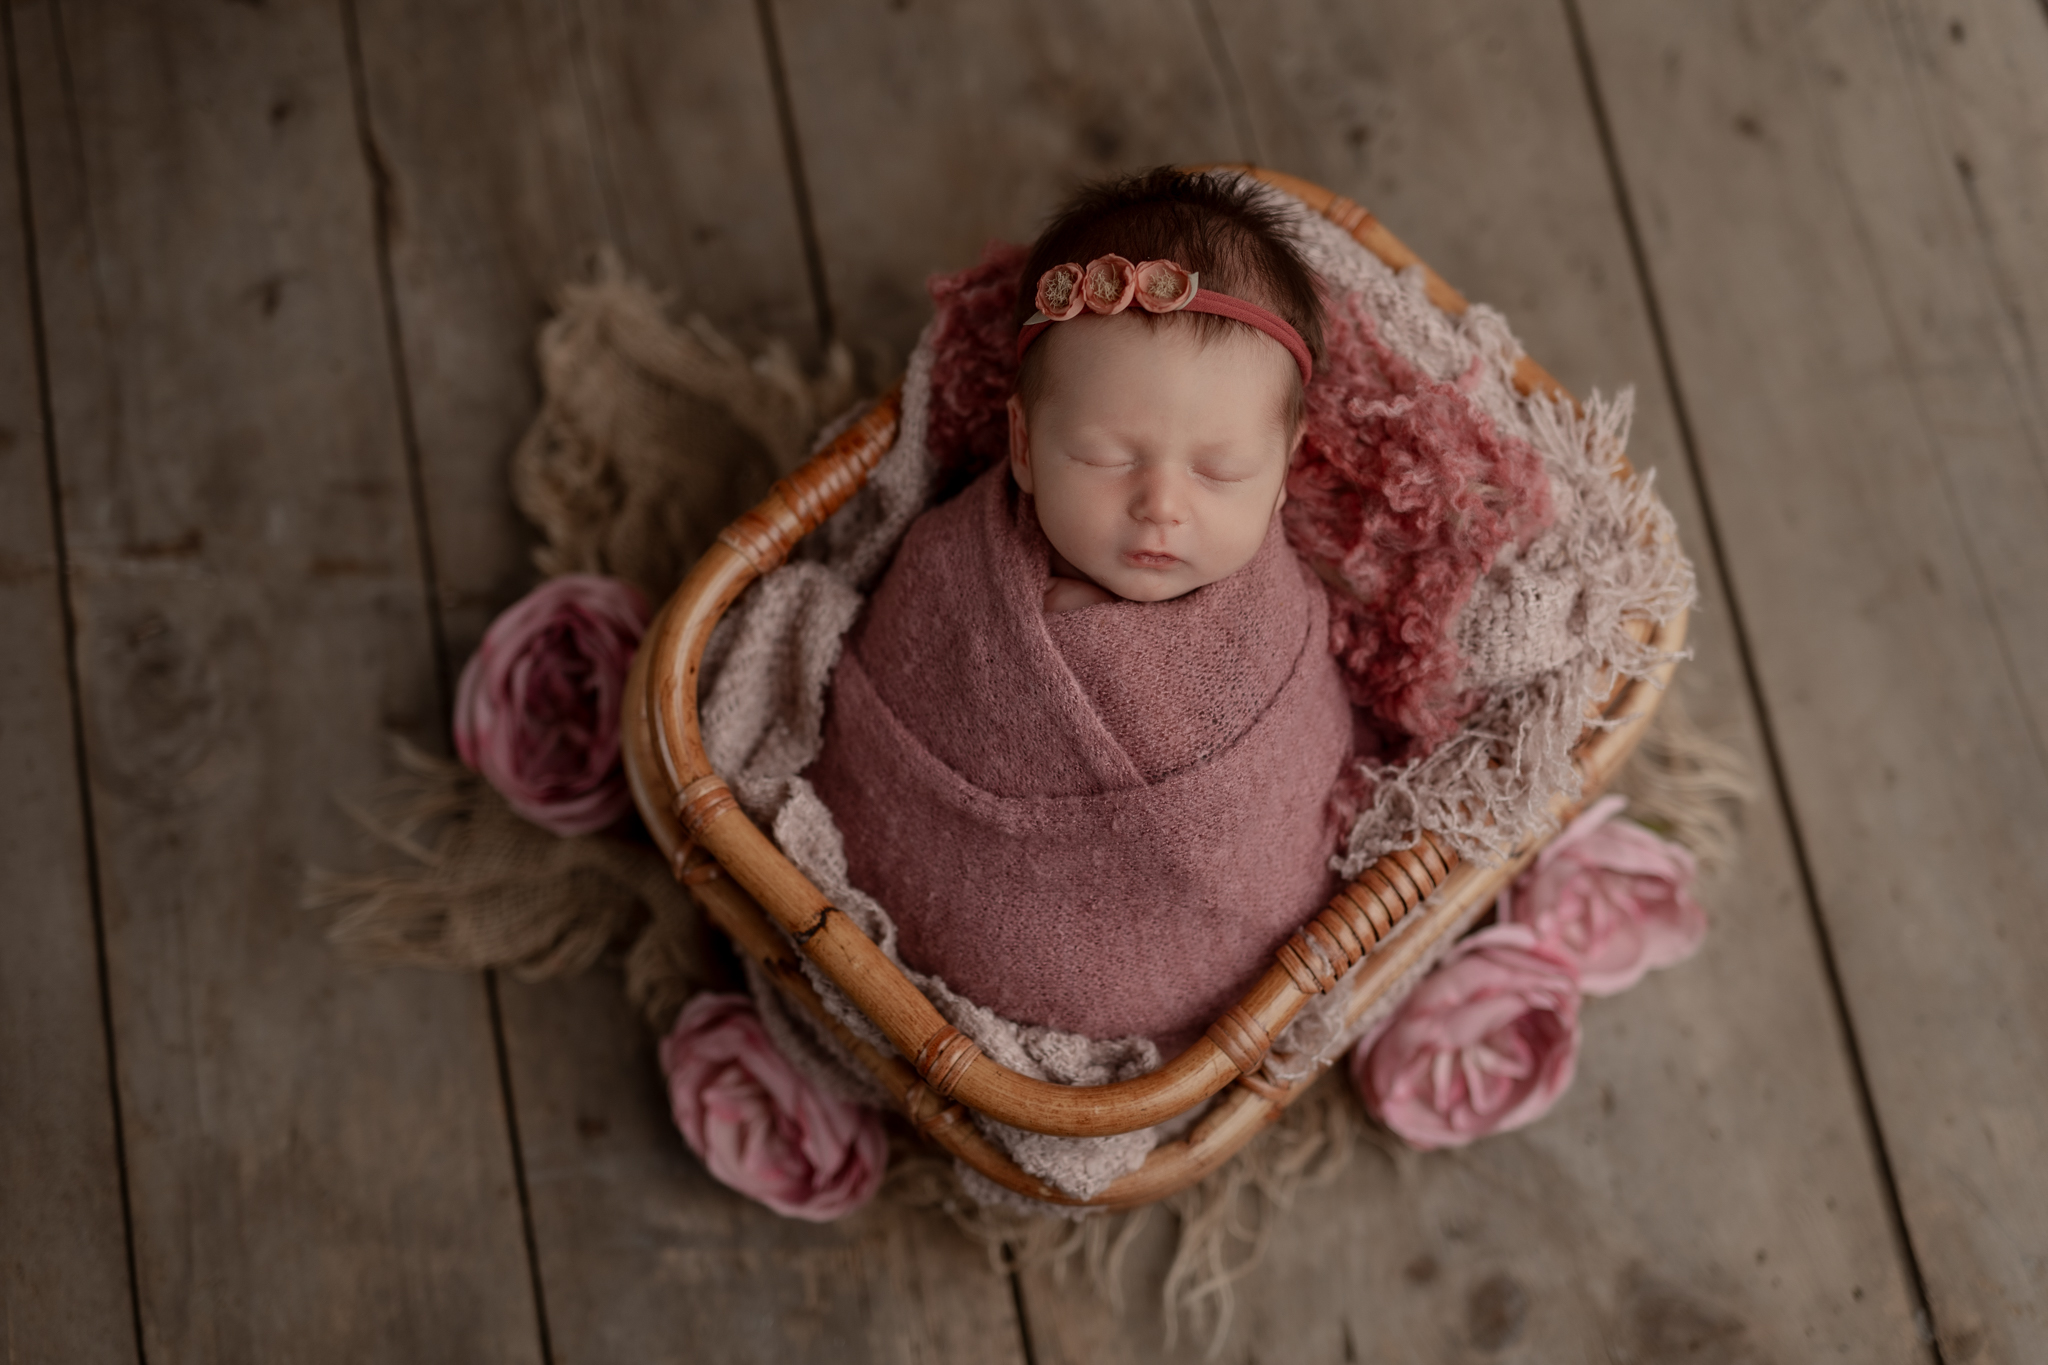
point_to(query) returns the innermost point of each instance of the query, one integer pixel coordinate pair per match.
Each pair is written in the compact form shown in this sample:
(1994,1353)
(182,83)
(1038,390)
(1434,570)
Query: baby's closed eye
(1098,457)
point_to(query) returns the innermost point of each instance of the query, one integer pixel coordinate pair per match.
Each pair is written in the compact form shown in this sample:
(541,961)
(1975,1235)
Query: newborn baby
(1082,742)
(1156,456)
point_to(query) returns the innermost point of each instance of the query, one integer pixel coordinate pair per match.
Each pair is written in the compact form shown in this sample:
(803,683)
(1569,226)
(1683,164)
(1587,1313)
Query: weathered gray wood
(501,133)
(478,229)
(1843,302)
(930,129)
(491,162)
(1849,346)
(693,160)
(1958,233)
(64,1291)
(1977,69)
(317,1157)
(1707,1190)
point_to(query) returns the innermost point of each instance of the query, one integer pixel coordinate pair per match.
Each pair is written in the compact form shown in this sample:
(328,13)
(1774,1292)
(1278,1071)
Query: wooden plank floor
(269,279)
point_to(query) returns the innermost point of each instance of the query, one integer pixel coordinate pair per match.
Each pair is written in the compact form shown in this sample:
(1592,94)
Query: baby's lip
(1151,559)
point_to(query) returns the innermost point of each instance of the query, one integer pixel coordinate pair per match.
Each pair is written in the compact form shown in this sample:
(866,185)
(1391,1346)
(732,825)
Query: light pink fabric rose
(537,710)
(1486,1043)
(1059,292)
(1612,897)
(1164,287)
(759,1126)
(1108,283)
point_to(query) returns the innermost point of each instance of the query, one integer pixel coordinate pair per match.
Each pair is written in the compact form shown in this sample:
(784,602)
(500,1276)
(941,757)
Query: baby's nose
(1160,500)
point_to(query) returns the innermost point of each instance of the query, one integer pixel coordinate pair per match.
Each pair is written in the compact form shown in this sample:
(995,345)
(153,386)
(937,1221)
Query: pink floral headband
(1111,284)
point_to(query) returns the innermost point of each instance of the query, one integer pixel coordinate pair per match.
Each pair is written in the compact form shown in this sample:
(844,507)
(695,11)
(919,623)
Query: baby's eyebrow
(1211,449)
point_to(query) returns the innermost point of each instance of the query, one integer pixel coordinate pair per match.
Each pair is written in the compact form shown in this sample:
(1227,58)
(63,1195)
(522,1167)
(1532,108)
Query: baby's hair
(1222,227)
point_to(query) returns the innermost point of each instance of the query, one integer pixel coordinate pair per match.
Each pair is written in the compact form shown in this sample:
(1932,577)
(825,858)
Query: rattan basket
(772,912)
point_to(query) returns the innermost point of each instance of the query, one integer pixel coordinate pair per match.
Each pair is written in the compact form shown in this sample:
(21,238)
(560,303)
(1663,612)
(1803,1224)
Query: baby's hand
(1072,594)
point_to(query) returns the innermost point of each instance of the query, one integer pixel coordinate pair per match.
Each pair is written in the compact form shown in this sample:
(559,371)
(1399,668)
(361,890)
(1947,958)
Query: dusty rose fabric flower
(537,710)
(1610,896)
(1486,1043)
(1108,284)
(759,1126)
(1163,287)
(1059,292)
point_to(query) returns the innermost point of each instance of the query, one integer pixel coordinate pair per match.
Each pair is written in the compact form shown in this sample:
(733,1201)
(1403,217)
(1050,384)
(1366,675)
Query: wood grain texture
(929,129)
(1707,1190)
(488,199)
(1925,93)
(64,1291)
(500,130)
(693,160)
(1868,438)
(318,1159)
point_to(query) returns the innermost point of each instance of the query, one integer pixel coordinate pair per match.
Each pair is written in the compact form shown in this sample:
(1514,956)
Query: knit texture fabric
(1103,821)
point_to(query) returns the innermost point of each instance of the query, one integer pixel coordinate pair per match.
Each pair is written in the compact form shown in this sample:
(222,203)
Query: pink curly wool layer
(1404,493)
(974,365)
(1402,496)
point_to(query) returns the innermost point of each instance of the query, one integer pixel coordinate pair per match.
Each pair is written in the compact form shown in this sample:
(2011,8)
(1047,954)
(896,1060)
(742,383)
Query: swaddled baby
(1083,741)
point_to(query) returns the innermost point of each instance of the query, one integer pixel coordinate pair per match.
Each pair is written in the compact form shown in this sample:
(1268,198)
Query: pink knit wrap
(1103,821)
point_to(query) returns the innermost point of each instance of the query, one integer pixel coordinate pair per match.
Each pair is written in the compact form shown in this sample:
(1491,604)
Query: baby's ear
(1293,449)
(1020,444)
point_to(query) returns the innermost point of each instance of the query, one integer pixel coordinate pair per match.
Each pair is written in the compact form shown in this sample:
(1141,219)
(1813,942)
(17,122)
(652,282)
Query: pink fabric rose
(1059,292)
(537,710)
(1610,896)
(1486,1043)
(1108,283)
(759,1126)
(1164,287)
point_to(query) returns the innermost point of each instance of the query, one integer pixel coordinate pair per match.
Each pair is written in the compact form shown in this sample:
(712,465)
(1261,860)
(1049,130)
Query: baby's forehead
(1122,365)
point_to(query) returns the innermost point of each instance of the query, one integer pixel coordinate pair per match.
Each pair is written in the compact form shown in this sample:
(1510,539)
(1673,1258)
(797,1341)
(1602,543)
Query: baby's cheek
(1072,526)
(1248,528)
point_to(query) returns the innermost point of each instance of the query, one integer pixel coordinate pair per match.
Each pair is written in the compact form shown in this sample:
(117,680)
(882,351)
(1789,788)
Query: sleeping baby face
(1156,458)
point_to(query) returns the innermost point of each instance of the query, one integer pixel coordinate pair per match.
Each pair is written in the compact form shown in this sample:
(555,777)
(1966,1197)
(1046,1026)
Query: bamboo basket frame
(772,912)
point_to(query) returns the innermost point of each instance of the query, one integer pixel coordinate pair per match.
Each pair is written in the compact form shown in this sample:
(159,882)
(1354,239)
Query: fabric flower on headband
(1164,287)
(1110,284)
(1059,293)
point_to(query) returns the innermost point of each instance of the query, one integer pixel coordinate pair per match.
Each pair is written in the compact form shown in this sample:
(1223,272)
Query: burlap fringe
(652,437)
(474,887)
